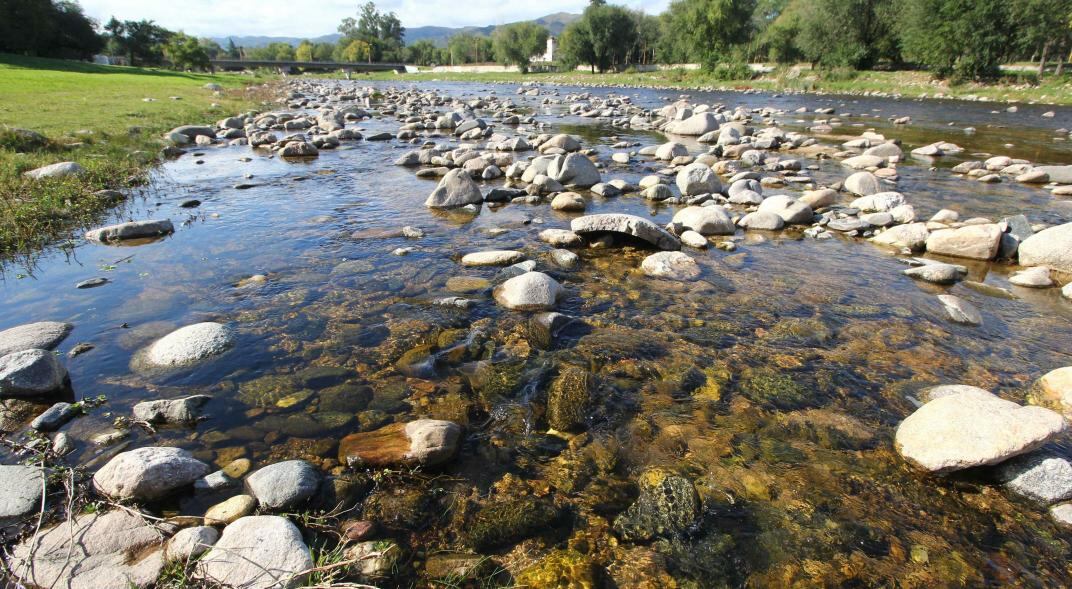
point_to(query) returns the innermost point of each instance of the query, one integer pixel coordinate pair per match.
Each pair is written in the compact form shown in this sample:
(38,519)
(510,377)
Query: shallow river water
(774,382)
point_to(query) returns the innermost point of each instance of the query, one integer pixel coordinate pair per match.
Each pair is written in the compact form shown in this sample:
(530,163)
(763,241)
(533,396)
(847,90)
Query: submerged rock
(668,505)
(190,344)
(173,411)
(427,442)
(505,521)
(569,398)
(960,311)
(131,230)
(973,428)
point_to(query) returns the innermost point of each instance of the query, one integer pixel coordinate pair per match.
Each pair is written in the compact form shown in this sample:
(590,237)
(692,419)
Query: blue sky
(295,18)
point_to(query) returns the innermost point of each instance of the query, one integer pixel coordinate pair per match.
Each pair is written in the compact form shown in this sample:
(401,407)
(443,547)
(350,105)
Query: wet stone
(668,505)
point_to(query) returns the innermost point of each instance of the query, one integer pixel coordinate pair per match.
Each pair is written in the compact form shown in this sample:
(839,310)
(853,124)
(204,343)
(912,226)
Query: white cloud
(293,18)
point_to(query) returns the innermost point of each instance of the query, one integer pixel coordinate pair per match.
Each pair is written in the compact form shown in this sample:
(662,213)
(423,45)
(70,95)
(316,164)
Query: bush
(727,72)
(838,74)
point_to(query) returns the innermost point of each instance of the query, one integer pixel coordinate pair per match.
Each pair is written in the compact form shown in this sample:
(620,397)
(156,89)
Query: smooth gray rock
(189,543)
(976,242)
(31,373)
(628,224)
(21,488)
(43,335)
(190,344)
(973,428)
(531,291)
(705,220)
(172,411)
(912,236)
(456,189)
(256,552)
(938,273)
(696,179)
(671,265)
(1043,477)
(1050,247)
(792,211)
(696,125)
(960,311)
(59,170)
(573,170)
(762,221)
(148,473)
(284,485)
(863,184)
(131,230)
(54,417)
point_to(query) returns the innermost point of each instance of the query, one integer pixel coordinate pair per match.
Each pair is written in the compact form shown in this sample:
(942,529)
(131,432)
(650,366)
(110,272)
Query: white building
(550,53)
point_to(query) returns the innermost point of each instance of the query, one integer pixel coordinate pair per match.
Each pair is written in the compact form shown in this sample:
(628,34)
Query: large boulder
(43,335)
(31,373)
(425,442)
(627,224)
(21,488)
(531,291)
(791,210)
(574,170)
(705,220)
(283,485)
(671,265)
(131,230)
(696,125)
(256,552)
(148,473)
(114,550)
(189,345)
(456,189)
(863,184)
(1050,247)
(976,242)
(696,179)
(972,428)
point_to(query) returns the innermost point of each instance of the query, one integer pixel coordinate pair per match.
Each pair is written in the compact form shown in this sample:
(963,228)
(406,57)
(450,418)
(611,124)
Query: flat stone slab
(20,490)
(628,224)
(131,230)
(973,428)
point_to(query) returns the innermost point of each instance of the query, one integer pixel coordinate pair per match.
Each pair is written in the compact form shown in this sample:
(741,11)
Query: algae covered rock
(506,521)
(569,398)
(562,569)
(668,506)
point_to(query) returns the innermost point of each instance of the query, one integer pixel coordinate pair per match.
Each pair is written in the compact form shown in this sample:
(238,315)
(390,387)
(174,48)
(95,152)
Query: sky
(313,18)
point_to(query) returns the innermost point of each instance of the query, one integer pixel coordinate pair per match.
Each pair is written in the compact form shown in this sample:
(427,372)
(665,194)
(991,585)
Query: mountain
(438,35)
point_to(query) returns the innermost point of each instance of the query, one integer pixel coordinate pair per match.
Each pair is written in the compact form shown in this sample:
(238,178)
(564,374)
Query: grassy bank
(1013,87)
(99,117)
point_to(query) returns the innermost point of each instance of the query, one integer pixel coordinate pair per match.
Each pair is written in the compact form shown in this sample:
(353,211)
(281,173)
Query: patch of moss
(506,521)
(562,569)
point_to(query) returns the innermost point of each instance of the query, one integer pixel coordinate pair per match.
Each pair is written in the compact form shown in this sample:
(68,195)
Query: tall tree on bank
(141,41)
(516,44)
(186,53)
(706,31)
(383,33)
(48,29)
(1042,29)
(848,33)
(603,37)
(966,39)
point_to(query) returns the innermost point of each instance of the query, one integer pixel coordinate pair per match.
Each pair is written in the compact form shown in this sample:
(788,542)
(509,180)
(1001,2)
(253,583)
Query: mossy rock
(320,377)
(562,569)
(497,381)
(770,387)
(507,521)
(569,399)
(668,505)
(300,425)
(267,390)
(399,508)
(347,398)
(800,332)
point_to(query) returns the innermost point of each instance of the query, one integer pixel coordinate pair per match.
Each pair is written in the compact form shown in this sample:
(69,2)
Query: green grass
(96,116)
(1012,87)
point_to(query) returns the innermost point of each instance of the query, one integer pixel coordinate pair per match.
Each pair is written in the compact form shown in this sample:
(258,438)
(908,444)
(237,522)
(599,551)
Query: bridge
(242,64)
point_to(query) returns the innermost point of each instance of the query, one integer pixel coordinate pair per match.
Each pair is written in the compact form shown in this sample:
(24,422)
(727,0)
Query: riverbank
(107,119)
(1014,87)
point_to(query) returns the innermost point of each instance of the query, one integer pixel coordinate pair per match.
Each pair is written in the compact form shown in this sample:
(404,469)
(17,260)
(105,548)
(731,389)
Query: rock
(358,530)
(148,473)
(44,335)
(564,258)
(669,151)
(1062,513)
(628,224)
(977,242)
(189,345)
(1043,477)
(695,179)
(973,428)
(21,488)
(792,211)
(1058,174)
(55,416)
(848,224)
(60,170)
(878,202)
(668,506)
(862,162)
(376,560)
(256,552)
(912,236)
(705,220)
(456,189)
(573,170)
(283,485)
(114,550)
(568,399)
(671,265)
(938,273)
(863,184)
(492,258)
(560,238)
(960,311)
(189,543)
(818,199)
(696,125)
(505,521)
(762,221)
(568,201)
(564,569)
(174,411)
(1050,247)
(884,150)
(230,510)
(131,230)
(1037,277)
(693,239)
(531,291)
(31,373)
(427,442)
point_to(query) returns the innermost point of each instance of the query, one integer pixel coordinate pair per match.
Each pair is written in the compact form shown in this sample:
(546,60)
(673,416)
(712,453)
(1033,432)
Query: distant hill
(438,35)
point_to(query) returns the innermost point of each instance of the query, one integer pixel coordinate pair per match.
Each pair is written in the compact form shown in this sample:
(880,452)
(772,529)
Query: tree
(186,53)
(304,52)
(423,52)
(1042,28)
(967,39)
(777,41)
(212,48)
(354,51)
(233,52)
(516,44)
(647,37)
(47,28)
(848,33)
(323,51)
(141,41)
(383,33)
(707,30)
(469,48)
(603,37)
